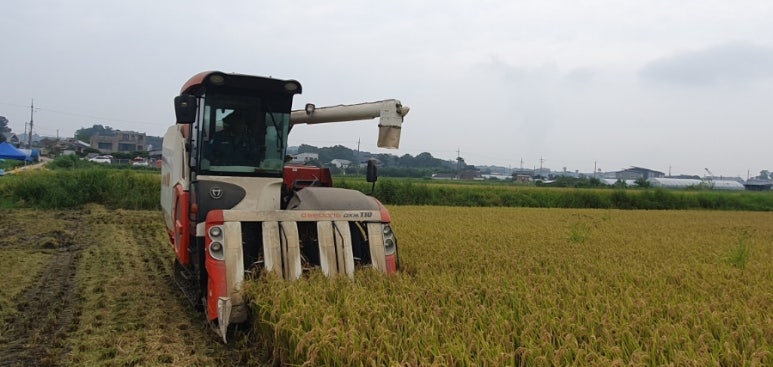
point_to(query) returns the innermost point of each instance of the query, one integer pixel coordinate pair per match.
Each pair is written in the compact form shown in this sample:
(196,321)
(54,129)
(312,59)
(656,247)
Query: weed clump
(739,254)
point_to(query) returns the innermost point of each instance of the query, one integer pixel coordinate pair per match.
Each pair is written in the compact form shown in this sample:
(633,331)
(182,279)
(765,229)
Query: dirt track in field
(100,295)
(46,310)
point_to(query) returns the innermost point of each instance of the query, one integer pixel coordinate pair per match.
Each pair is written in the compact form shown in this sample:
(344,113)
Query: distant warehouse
(758,185)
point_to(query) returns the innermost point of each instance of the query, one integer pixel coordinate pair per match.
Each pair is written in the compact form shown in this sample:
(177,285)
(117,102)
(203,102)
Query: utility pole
(358,157)
(458,164)
(32,109)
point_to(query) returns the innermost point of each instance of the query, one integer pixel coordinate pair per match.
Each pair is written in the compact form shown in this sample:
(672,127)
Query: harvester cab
(233,208)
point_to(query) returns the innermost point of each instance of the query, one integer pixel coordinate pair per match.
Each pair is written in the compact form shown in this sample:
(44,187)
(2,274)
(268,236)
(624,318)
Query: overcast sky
(674,86)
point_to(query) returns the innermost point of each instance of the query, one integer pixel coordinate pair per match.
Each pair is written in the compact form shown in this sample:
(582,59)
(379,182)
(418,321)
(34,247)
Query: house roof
(640,169)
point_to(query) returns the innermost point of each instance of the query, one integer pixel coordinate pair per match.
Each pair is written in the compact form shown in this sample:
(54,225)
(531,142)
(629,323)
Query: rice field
(540,287)
(478,287)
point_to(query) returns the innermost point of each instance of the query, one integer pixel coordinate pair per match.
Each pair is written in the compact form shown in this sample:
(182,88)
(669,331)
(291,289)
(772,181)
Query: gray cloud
(735,62)
(498,80)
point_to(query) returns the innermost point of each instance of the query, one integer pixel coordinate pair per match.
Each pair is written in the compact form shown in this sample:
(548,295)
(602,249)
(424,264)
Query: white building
(303,158)
(340,163)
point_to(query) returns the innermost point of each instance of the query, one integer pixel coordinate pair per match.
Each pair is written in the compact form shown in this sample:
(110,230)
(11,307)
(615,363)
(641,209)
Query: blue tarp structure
(7,151)
(32,155)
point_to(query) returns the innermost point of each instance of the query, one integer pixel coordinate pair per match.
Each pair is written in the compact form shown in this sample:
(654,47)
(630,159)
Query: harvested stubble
(513,286)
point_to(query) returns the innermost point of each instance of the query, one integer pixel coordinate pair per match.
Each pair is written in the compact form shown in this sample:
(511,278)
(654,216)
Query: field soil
(94,287)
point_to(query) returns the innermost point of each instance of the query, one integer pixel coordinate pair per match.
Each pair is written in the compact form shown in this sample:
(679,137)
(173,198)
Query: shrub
(74,188)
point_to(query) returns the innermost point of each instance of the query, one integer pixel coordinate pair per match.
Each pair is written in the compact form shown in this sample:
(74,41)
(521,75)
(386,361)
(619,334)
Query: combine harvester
(232,207)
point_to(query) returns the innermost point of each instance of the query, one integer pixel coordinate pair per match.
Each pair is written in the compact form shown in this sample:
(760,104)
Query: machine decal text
(335,215)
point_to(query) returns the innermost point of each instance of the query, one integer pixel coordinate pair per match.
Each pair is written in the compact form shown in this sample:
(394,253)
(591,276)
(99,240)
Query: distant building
(340,163)
(523,172)
(676,183)
(727,185)
(615,182)
(23,138)
(364,162)
(691,177)
(635,173)
(522,178)
(496,176)
(12,139)
(543,172)
(62,145)
(121,141)
(444,176)
(684,183)
(303,158)
(470,174)
(758,185)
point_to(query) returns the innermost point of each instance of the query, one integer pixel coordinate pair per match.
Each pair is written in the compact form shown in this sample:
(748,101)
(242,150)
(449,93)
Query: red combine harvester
(234,209)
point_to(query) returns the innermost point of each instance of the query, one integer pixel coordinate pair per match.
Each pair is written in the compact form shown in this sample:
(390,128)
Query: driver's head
(236,121)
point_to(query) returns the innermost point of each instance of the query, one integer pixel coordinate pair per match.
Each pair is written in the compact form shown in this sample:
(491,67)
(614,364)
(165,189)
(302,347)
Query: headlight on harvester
(387,231)
(216,246)
(215,232)
(389,246)
(390,242)
(216,250)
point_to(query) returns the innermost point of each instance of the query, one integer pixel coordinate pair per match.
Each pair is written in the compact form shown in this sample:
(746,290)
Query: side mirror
(185,108)
(372,172)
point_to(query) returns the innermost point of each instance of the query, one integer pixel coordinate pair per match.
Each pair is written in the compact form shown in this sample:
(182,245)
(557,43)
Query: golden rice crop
(519,286)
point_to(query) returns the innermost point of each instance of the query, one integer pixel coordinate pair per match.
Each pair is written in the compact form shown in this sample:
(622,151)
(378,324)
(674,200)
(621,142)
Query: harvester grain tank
(233,208)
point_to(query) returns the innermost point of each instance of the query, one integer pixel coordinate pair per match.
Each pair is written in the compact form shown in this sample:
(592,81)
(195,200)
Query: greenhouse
(727,185)
(683,183)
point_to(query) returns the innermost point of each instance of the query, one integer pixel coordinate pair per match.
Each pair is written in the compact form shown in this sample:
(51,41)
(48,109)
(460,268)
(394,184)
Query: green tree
(406,160)
(337,151)
(426,160)
(642,182)
(305,148)
(3,128)
(387,160)
(85,134)
(4,125)
(423,165)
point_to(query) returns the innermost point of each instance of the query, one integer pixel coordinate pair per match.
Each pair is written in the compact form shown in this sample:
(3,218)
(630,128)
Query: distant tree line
(422,165)
(70,182)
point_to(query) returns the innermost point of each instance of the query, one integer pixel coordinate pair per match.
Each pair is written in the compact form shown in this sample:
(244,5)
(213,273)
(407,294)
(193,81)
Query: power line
(82,115)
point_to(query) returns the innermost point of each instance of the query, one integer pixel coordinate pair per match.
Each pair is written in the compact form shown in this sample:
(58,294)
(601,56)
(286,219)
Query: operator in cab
(235,144)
